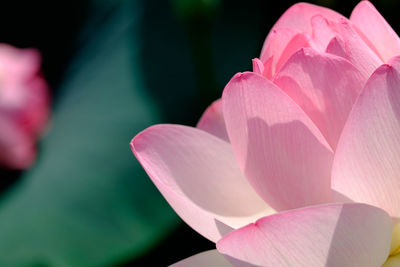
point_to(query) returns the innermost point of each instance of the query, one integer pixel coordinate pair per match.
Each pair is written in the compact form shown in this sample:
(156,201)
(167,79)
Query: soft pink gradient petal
(348,44)
(197,173)
(322,32)
(325,86)
(297,42)
(337,47)
(299,17)
(366,166)
(280,150)
(280,44)
(375,30)
(276,42)
(211,258)
(212,121)
(345,235)
(258,66)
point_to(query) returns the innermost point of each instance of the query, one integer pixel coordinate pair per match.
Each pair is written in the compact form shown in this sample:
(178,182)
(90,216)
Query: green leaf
(87,202)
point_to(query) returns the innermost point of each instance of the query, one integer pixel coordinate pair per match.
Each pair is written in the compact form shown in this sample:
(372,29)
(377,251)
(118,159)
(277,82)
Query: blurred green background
(116,67)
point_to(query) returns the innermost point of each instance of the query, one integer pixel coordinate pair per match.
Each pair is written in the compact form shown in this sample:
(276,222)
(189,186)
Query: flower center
(394,255)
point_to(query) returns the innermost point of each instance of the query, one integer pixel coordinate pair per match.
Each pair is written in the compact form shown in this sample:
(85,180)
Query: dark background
(116,67)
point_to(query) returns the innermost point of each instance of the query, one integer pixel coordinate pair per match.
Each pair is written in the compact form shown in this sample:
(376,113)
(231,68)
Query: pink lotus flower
(24,105)
(307,145)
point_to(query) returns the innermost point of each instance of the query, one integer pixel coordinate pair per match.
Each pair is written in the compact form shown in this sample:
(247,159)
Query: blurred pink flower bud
(24,106)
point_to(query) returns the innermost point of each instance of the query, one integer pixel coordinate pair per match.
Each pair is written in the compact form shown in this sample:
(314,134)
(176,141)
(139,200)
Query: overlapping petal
(281,43)
(211,258)
(322,33)
(212,121)
(196,172)
(281,126)
(291,32)
(306,25)
(279,149)
(265,69)
(375,30)
(348,44)
(344,235)
(366,166)
(324,86)
(299,17)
